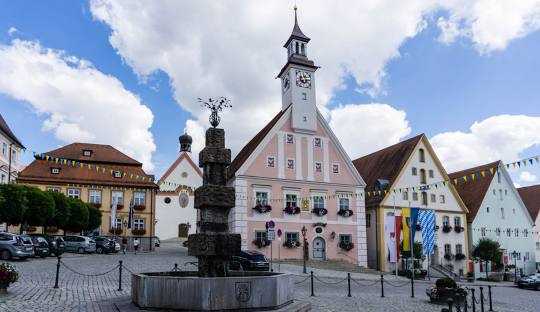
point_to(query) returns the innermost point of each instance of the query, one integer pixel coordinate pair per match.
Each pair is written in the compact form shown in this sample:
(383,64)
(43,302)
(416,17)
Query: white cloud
(498,137)
(12,30)
(527,177)
(490,24)
(363,129)
(234,49)
(80,102)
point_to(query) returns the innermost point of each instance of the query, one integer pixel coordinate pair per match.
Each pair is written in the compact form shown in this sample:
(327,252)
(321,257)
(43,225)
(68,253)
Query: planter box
(139,207)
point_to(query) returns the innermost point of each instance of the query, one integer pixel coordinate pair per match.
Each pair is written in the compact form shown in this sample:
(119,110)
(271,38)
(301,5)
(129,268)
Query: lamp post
(514,255)
(304,232)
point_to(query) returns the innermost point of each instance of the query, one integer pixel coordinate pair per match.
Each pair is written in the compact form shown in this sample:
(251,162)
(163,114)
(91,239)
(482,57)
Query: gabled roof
(252,144)
(385,164)
(100,154)
(183,155)
(7,131)
(472,192)
(531,197)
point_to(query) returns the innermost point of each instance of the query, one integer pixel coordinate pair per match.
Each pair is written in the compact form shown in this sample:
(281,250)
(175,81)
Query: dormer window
(117,174)
(87,153)
(55,170)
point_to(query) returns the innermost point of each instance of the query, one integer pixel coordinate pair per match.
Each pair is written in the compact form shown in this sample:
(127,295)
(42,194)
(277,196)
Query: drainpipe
(9,163)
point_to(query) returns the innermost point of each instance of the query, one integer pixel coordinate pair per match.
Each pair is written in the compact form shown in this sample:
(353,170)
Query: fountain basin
(186,291)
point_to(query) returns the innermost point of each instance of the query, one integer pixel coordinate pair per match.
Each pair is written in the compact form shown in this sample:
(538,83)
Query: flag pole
(397,243)
(411,246)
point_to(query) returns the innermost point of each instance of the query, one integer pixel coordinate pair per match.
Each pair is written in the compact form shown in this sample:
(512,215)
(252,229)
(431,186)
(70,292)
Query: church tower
(298,82)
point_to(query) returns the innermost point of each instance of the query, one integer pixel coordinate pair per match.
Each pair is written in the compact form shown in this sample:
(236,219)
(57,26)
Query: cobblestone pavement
(35,292)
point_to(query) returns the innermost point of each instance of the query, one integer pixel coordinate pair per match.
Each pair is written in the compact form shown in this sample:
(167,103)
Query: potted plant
(444,289)
(291,244)
(262,208)
(448,256)
(347,246)
(458,229)
(138,232)
(96,205)
(319,211)
(460,256)
(260,243)
(345,213)
(292,210)
(8,275)
(446,228)
(139,207)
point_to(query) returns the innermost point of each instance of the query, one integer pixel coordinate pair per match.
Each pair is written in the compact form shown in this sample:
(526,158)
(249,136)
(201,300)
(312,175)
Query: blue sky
(441,87)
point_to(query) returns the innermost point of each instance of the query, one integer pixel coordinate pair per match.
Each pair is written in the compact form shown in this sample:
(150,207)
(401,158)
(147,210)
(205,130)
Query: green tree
(61,211)
(94,218)
(40,210)
(78,215)
(488,250)
(13,203)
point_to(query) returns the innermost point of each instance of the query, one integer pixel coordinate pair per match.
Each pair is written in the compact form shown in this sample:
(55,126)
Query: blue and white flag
(426,218)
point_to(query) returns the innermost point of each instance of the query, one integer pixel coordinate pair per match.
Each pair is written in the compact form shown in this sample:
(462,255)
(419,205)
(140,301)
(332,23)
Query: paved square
(35,292)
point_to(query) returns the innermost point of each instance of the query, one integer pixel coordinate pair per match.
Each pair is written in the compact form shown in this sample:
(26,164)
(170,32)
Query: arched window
(423,176)
(303,50)
(422,155)
(297,49)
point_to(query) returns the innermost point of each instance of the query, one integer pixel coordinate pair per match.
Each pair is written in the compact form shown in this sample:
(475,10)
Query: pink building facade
(295,173)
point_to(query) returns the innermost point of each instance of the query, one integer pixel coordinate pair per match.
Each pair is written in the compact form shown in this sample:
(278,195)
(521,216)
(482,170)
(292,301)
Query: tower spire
(296,32)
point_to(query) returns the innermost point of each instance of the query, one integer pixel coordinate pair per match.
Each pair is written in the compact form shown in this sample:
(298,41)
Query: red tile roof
(7,131)
(248,149)
(531,197)
(385,164)
(105,157)
(100,154)
(472,192)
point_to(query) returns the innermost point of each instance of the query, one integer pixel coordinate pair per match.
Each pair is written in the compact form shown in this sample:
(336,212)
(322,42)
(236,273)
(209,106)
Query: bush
(8,273)
(445,282)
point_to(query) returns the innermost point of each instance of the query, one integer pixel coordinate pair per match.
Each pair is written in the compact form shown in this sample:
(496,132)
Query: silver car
(13,246)
(80,244)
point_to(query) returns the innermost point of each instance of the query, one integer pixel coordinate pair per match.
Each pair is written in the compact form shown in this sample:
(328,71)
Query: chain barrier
(302,281)
(365,285)
(88,274)
(330,283)
(128,269)
(397,285)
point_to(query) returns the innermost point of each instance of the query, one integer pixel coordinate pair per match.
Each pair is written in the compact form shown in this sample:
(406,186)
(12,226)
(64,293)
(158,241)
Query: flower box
(261,243)
(458,229)
(346,245)
(139,207)
(448,257)
(345,213)
(460,256)
(291,244)
(262,208)
(8,275)
(115,231)
(292,210)
(138,232)
(446,228)
(119,207)
(96,205)
(319,211)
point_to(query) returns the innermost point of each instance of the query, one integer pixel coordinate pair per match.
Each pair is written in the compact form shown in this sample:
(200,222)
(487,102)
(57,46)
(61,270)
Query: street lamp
(304,232)
(514,255)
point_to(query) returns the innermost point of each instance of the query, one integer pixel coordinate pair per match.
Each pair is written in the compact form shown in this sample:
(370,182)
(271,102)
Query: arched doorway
(319,249)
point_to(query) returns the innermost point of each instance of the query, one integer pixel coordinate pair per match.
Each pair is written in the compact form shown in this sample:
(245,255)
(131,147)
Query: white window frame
(114,194)
(289,136)
(318,196)
(344,207)
(273,158)
(92,196)
(117,174)
(139,198)
(318,163)
(442,199)
(345,238)
(260,190)
(291,161)
(139,224)
(55,189)
(295,236)
(289,193)
(74,193)
(336,166)
(433,198)
(55,170)
(320,142)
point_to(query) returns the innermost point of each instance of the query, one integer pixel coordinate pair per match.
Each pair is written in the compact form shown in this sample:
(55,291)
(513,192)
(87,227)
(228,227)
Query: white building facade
(10,153)
(176,216)
(498,213)
(531,197)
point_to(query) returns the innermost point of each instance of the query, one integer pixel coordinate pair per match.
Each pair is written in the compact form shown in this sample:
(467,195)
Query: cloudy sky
(128,73)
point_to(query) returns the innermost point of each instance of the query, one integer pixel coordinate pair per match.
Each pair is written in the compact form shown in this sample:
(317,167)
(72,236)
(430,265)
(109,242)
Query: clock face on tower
(303,79)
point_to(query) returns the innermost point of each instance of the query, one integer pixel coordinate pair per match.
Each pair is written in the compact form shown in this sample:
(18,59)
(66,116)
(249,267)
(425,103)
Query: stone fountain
(213,287)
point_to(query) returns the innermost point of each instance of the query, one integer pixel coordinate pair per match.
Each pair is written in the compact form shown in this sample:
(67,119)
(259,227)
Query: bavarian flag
(406,232)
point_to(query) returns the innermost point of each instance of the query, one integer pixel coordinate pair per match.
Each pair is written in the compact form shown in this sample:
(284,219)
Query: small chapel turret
(185,143)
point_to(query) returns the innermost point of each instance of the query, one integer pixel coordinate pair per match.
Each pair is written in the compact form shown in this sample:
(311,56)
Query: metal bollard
(382,286)
(450,305)
(312,281)
(57,272)
(120,275)
(490,301)
(473,301)
(481,299)
(175,269)
(349,284)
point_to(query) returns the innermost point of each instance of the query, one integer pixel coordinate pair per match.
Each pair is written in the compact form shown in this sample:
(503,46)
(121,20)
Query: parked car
(13,246)
(250,260)
(57,245)
(104,245)
(41,246)
(116,247)
(531,281)
(80,244)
